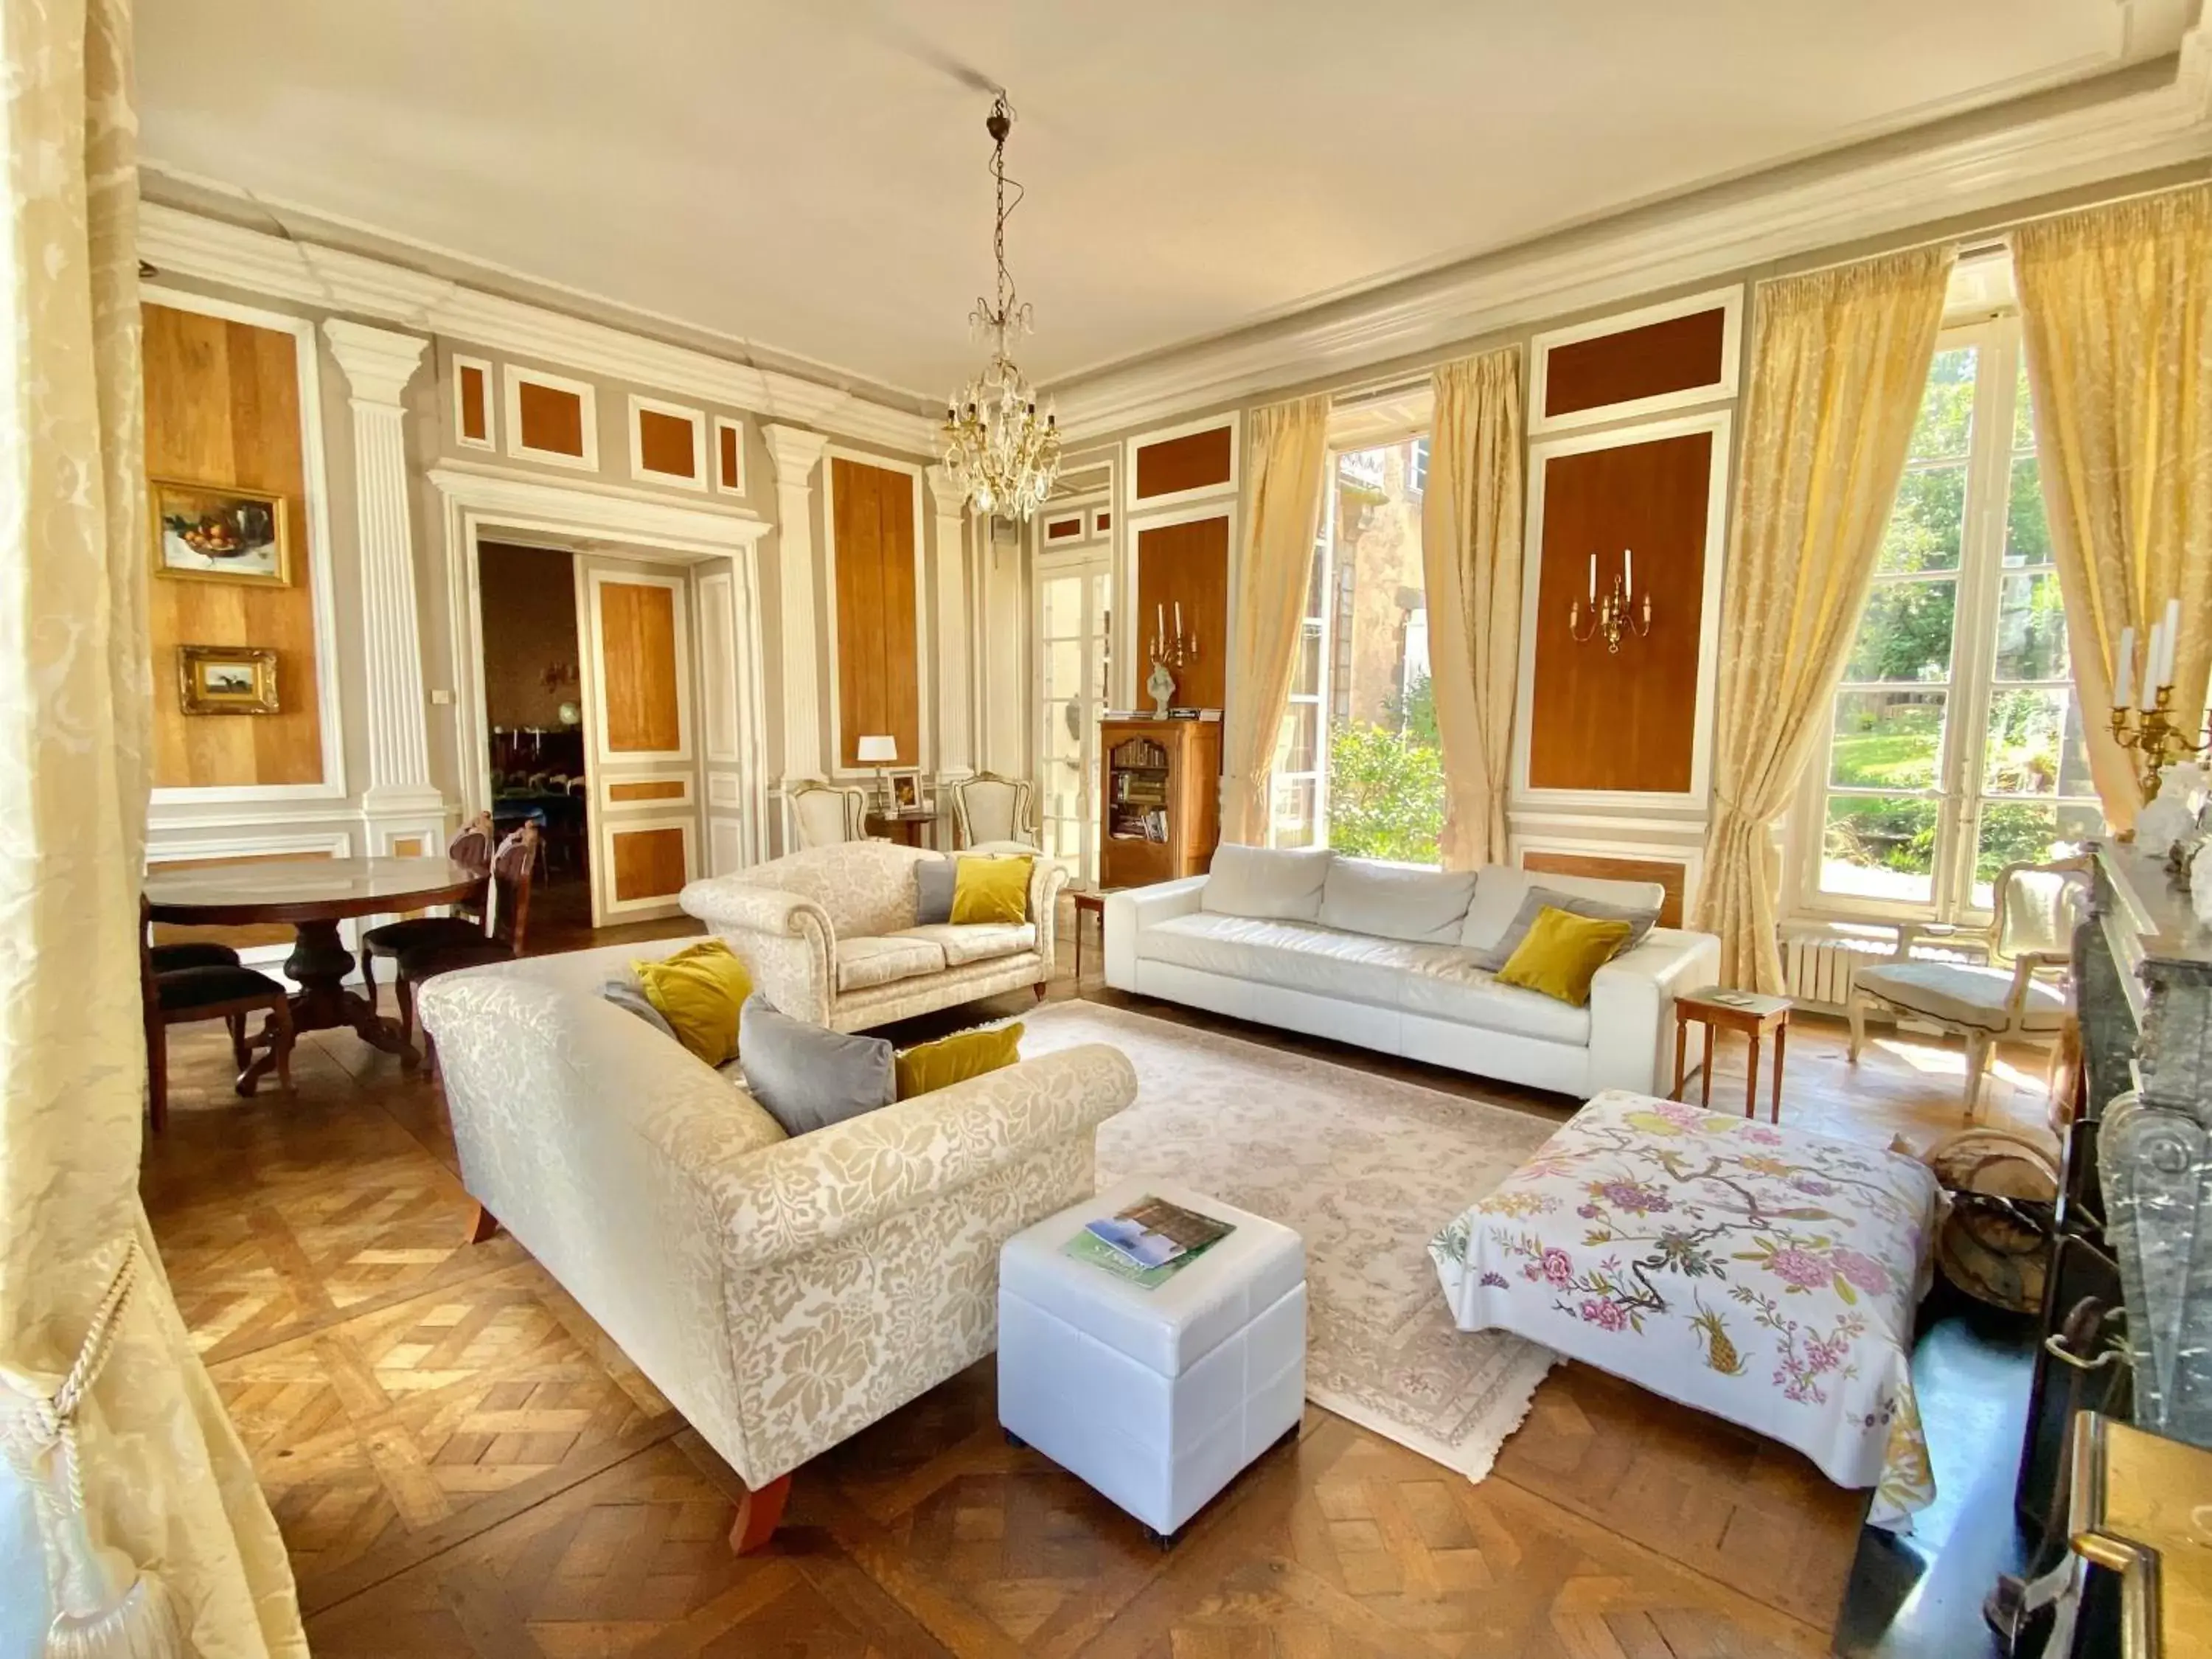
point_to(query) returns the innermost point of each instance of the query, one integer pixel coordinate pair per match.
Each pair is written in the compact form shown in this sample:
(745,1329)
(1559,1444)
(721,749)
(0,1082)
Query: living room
(1537,713)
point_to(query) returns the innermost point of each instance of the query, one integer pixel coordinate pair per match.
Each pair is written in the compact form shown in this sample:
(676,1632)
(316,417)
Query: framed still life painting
(227,679)
(213,533)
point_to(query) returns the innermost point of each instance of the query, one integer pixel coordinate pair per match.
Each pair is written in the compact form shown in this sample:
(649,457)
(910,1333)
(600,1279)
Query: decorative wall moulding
(1065,529)
(1678,355)
(190,245)
(472,417)
(552,418)
(729,455)
(667,443)
(1977,164)
(1178,465)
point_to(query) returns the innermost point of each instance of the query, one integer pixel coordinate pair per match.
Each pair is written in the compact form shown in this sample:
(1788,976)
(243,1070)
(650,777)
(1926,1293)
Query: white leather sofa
(1383,956)
(783,1293)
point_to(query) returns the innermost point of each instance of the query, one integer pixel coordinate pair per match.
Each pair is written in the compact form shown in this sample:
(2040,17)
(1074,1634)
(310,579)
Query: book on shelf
(1134,824)
(1148,1242)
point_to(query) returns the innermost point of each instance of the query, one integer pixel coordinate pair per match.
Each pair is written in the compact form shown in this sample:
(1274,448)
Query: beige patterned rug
(1366,1169)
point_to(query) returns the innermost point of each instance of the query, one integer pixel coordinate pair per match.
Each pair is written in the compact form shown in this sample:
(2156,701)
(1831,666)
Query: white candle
(1160,625)
(2150,668)
(2172,632)
(1593,579)
(1627,572)
(1178,605)
(2125,687)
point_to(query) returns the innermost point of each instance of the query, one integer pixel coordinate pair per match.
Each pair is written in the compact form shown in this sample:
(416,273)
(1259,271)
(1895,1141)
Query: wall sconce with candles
(1167,651)
(1617,615)
(2150,728)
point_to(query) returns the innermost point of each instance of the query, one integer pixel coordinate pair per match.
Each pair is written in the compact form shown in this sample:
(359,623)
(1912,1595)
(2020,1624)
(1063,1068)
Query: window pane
(2036,746)
(1293,812)
(1062,737)
(1878,848)
(2031,628)
(1305,673)
(1887,739)
(2027,533)
(1906,633)
(1063,607)
(1296,744)
(2023,410)
(1923,533)
(1947,408)
(1062,788)
(1063,668)
(2023,832)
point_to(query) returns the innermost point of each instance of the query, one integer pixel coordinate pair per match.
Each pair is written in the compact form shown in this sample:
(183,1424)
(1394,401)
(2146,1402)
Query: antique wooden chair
(194,980)
(824,814)
(470,848)
(512,869)
(992,811)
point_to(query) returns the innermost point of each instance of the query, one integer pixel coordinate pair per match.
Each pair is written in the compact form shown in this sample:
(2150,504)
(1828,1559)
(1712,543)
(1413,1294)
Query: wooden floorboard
(462,1463)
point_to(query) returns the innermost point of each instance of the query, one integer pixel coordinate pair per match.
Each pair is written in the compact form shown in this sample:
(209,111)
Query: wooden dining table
(313,896)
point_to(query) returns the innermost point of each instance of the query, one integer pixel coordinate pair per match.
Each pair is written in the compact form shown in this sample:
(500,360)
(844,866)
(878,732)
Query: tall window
(1357,765)
(1955,743)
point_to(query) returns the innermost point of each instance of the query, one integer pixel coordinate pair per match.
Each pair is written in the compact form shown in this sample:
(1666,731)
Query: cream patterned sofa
(830,935)
(783,1294)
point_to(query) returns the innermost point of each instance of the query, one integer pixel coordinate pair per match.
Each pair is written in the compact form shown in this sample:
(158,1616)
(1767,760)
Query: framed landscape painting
(208,533)
(227,679)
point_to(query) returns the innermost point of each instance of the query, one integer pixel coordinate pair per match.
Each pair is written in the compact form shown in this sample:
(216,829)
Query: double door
(1073,625)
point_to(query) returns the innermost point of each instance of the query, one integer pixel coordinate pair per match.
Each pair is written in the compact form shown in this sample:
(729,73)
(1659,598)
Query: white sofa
(1383,956)
(783,1293)
(830,935)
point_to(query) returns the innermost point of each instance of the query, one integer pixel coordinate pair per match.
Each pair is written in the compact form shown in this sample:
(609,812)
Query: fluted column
(794,451)
(954,748)
(400,801)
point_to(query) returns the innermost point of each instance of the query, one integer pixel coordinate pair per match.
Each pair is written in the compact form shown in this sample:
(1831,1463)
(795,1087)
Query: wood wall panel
(648,863)
(475,405)
(649,789)
(245,937)
(878,643)
(667,444)
(1194,461)
(729,457)
(1188,562)
(637,667)
(1624,720)
(1673,355)
(223,408)
(1668,874)
(550,419)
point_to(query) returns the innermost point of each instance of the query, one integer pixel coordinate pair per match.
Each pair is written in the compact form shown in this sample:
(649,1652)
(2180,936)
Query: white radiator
(1818,962)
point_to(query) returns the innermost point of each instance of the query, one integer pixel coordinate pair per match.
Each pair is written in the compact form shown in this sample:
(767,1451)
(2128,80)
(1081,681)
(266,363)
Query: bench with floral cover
(1758,1272)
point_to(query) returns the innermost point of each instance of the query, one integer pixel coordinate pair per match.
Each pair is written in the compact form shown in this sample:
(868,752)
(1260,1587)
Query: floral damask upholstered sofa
(831,935)
(783,1294)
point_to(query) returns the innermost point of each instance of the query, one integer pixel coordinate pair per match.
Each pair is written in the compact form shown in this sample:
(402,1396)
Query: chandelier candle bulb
(1628,571)
(2125,687)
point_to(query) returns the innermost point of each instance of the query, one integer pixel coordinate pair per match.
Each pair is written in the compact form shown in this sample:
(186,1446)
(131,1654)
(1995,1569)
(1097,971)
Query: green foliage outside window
(1386,788)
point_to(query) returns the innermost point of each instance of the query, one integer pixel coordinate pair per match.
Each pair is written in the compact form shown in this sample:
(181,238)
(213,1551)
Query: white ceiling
(811,177)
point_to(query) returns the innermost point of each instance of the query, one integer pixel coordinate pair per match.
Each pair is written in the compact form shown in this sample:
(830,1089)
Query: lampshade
(876,751)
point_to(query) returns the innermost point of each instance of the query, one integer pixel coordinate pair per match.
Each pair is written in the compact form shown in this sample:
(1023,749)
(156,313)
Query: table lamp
(879,751)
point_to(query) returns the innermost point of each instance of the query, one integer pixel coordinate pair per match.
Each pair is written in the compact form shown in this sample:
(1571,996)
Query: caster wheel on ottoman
(1156,1397)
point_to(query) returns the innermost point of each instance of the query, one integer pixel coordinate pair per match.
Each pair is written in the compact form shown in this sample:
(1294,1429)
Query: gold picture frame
(906,790)
(220,533)
(227,679)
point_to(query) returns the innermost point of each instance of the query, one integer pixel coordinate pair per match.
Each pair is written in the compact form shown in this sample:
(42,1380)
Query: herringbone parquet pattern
(463,1464)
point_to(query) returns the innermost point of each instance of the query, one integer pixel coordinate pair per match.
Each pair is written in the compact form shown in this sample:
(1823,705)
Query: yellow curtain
(2117,308)
(1471,563)
(1840,359)
(165,1478)
(1285,448)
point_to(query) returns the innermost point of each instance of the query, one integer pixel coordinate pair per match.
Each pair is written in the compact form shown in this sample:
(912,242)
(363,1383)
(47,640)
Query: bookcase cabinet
(1160,808)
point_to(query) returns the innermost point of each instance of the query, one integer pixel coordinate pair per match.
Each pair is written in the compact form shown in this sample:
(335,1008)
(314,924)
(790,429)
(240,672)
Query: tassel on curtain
(2116,305)
(1471,563)
(1286,448)
(1840,359)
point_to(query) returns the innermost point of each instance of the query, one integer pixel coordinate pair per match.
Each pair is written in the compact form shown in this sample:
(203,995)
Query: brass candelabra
(1619,613)
(1176,649)
(2156,736)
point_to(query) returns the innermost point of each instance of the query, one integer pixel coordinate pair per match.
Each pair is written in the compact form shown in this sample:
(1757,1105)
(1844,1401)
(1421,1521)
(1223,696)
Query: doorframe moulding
(1912,180)
(192,245)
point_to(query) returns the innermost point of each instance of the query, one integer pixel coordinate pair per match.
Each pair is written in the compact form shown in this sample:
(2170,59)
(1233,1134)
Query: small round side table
(1720,1010)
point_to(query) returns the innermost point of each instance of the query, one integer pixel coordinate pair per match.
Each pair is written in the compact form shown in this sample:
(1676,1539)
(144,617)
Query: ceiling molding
(179,243)
(1714,233)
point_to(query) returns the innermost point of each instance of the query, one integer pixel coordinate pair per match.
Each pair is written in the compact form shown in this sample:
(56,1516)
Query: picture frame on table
(219,532)
(906,790)
(227,679)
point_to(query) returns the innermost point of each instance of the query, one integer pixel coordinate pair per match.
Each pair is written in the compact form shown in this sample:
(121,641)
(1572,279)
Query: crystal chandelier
(1004,454)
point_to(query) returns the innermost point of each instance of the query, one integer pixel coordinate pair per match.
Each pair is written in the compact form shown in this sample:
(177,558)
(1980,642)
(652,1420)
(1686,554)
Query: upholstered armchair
(826,814)
(991,813)
(2023,993)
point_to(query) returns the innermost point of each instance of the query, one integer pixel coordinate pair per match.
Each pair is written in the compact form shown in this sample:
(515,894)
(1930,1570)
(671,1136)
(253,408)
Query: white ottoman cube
(1157,1397)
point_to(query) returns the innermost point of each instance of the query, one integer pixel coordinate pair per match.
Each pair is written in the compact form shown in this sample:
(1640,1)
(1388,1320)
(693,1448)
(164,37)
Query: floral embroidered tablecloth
(1760,1273)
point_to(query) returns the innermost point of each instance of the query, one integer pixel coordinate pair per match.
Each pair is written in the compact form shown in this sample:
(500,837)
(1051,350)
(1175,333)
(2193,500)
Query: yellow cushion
(1562,953)
(698,991)
(928,1067)
(991,890)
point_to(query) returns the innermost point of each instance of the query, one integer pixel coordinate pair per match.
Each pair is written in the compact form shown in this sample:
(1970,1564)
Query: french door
(1073,621)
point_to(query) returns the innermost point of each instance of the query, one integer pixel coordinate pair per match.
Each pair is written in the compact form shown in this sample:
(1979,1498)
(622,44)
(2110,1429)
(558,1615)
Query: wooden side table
(909,826)
(1093,904)
(1743,1011)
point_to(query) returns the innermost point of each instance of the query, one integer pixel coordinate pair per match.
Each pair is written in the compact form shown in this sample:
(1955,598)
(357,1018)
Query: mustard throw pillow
(928,1067)
(1562,953)
(991,890)
(698,991)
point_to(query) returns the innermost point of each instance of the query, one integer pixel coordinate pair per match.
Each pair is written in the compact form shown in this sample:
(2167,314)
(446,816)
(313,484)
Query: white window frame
(1962,757)
(1090,563)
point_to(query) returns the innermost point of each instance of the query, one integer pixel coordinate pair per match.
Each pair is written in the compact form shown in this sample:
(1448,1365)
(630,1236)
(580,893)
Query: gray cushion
(934,879)
(807,1076)
(629,995)
(1542,899)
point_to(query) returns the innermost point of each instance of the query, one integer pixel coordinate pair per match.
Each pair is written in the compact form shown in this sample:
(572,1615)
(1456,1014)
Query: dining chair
(470,847)
(194,981)
(2023,993)
(825,814)
(512,869)
(993,813)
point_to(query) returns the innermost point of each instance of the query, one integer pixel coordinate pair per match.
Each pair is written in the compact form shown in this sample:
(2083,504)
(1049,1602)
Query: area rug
(1366,1169)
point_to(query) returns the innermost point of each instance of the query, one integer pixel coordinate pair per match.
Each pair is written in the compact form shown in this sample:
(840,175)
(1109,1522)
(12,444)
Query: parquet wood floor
(463,1464)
